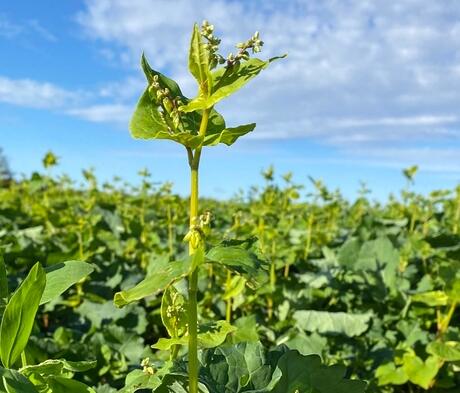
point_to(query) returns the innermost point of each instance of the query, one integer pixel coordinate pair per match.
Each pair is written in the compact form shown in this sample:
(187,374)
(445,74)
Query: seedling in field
(163,112)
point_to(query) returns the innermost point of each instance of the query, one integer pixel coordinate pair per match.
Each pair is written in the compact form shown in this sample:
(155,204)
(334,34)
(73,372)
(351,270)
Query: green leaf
(19,315)
(246,330)
(156,282)
(62,276)
(228,80)
(244,367)
(163,79)
(431,298)
(210,335)
(58,366)
(239,260)
(448,351)
(65,385)
(229,135)
(297,373)
(371,255)
(198,61)
(14,382)
(306,344)
(419,372)
(453,290)
(138,379)
(174,315)
(390,374)
(4,293)
(147,122)
(332,322)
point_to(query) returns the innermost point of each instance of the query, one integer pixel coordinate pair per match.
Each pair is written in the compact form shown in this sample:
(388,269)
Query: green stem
(170,233)
(23,359)
(272,281)
(457,215)
(228,311)
(446,321)
(194,160)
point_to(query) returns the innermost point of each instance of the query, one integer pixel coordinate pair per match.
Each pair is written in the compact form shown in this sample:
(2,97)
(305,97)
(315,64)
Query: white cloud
(429,159)
(25,29)
(44,95)
(104,113)
(357,71)
(8,29)
(359,74)
(34,94)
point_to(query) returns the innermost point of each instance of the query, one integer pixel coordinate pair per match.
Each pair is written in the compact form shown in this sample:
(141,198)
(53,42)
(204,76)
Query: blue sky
(368,88)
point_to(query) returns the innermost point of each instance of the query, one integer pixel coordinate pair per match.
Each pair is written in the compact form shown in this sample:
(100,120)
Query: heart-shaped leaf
(158,280)
(62,276)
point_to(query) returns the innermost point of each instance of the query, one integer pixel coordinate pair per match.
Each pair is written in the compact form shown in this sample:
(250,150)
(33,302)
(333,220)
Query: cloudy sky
(368,88)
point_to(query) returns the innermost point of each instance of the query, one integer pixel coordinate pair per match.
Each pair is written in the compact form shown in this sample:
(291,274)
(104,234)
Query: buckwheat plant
(163,112)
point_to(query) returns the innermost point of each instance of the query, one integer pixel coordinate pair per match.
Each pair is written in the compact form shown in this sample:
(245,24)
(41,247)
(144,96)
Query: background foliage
(369,285)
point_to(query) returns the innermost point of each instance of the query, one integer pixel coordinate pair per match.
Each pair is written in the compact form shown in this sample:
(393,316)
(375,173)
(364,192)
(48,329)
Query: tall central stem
(193,367)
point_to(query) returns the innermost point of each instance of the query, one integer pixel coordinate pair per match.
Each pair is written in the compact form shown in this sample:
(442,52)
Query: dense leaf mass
(372,288)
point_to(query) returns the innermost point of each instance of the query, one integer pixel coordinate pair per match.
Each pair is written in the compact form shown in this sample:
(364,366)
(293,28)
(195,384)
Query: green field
(367,285)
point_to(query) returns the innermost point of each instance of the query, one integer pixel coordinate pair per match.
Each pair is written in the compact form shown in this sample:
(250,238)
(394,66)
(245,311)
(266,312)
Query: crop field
(284,288)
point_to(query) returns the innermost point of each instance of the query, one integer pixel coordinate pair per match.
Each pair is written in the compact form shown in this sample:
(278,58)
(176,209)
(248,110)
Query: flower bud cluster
(169,105)
(176,312)
(211,45)
(146,367)
(199,230)
(254,44)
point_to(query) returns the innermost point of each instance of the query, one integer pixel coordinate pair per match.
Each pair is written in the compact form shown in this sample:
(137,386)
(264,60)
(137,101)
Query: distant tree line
(5,171)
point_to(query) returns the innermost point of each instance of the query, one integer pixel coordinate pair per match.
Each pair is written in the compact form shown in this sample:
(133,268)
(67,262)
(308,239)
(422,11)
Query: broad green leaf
(4,293)
(244,367)
(306,344)
(138,379)
(239,260)
(210,335)
(454,291)
(448,351)
(62,276)
(431,298)
(246,330)
(421,372)
(65,385)
(156,282)
(297,373)
(163,79)
(370,255)
(58,366)
(174,315)
(349,253)
(229,135)
(14,382)
(148,123)
(332,322)
(198,60)
(228,80)
(19,315)
(390,374)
